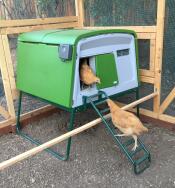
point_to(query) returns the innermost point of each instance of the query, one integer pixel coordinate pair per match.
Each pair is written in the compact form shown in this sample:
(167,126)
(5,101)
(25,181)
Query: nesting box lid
(65,36)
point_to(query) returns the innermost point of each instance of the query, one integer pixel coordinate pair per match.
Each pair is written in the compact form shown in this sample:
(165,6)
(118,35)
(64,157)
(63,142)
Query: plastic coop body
(49,62)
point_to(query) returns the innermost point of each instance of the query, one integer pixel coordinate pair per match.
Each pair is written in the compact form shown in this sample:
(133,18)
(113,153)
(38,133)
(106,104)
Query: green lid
(64,36)
(53,36)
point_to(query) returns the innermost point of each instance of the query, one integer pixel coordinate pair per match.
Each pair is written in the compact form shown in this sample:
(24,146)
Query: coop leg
(18,126)
(34,141)
(137,98)
(70,128)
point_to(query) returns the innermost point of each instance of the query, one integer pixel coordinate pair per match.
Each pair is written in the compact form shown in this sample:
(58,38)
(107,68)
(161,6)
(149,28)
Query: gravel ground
(95,160)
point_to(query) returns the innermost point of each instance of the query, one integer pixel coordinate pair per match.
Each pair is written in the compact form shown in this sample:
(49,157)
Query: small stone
(32,180)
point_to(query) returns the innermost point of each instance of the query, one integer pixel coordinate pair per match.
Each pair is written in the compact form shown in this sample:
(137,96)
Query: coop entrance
(104,67)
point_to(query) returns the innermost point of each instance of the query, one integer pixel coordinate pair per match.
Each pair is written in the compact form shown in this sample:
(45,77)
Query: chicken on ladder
(126,122)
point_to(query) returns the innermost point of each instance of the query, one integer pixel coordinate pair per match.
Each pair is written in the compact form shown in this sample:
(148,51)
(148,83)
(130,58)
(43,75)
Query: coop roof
(66,36)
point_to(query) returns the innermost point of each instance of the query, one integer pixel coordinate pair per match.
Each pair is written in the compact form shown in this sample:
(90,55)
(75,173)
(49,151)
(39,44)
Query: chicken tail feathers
(140,129)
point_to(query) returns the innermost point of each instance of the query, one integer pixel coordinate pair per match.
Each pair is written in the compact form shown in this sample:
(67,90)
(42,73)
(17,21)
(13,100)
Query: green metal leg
(52,152)
(137,98)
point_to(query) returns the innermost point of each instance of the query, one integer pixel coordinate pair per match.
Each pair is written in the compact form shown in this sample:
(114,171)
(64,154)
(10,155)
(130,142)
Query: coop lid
(53,36)
(64,36)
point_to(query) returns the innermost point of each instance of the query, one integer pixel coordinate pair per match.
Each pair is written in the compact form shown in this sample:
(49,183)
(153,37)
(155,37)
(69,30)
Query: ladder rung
(105,110)
(138,171)
(142,159)
(136,151)
(128,142)
(100,102)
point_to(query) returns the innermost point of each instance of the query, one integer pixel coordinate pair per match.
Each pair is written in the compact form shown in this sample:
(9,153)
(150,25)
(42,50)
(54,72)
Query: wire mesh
(25,9)
(120,12)
(2,97)
(144,54)
(168,74)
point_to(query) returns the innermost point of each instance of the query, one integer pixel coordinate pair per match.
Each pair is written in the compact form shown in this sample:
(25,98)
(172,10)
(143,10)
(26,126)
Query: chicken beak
(98,81)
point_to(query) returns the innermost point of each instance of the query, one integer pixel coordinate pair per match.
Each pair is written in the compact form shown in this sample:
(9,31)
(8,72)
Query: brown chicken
(86,74)
(126,122)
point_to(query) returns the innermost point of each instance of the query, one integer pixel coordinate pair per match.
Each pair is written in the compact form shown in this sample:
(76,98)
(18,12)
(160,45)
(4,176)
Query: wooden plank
(36,112)
(135,103)
(6,123)
(148,36)
(167,101)
(17,30)
(26,116)
(137,29)
(167,118)
(147,79)
(39,21)
(4,113)
(9,64)
(152,54)
(6,80)
(63,137)
(148,113)
(147,73)
(144,112)
(159,52)
(79,7)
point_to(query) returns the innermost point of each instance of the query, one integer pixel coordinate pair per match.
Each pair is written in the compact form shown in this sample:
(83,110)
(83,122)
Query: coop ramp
(140,158)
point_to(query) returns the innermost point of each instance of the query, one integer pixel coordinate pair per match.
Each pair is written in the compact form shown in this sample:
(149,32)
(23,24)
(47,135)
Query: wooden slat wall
(20,26)
(39,21)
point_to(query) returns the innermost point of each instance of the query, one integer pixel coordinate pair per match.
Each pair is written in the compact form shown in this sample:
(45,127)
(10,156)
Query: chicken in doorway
(87,75)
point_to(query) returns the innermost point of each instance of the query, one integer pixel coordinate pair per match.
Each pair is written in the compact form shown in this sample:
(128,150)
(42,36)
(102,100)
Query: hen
(126,122)
(86,74)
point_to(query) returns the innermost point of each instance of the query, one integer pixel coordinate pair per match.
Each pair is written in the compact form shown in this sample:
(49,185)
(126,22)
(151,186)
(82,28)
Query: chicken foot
(134,137)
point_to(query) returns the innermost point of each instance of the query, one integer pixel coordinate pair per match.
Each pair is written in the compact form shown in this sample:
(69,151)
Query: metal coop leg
(137,98)
(52,152)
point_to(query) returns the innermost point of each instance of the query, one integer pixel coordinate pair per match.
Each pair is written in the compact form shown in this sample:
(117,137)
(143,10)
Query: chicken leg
(135,144)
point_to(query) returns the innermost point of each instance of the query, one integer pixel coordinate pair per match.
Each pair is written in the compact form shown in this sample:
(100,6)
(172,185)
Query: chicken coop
(128,46)
(58,61)
(54,73)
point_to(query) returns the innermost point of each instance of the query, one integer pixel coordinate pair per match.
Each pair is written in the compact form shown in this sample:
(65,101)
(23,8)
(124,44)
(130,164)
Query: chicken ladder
(140,158)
